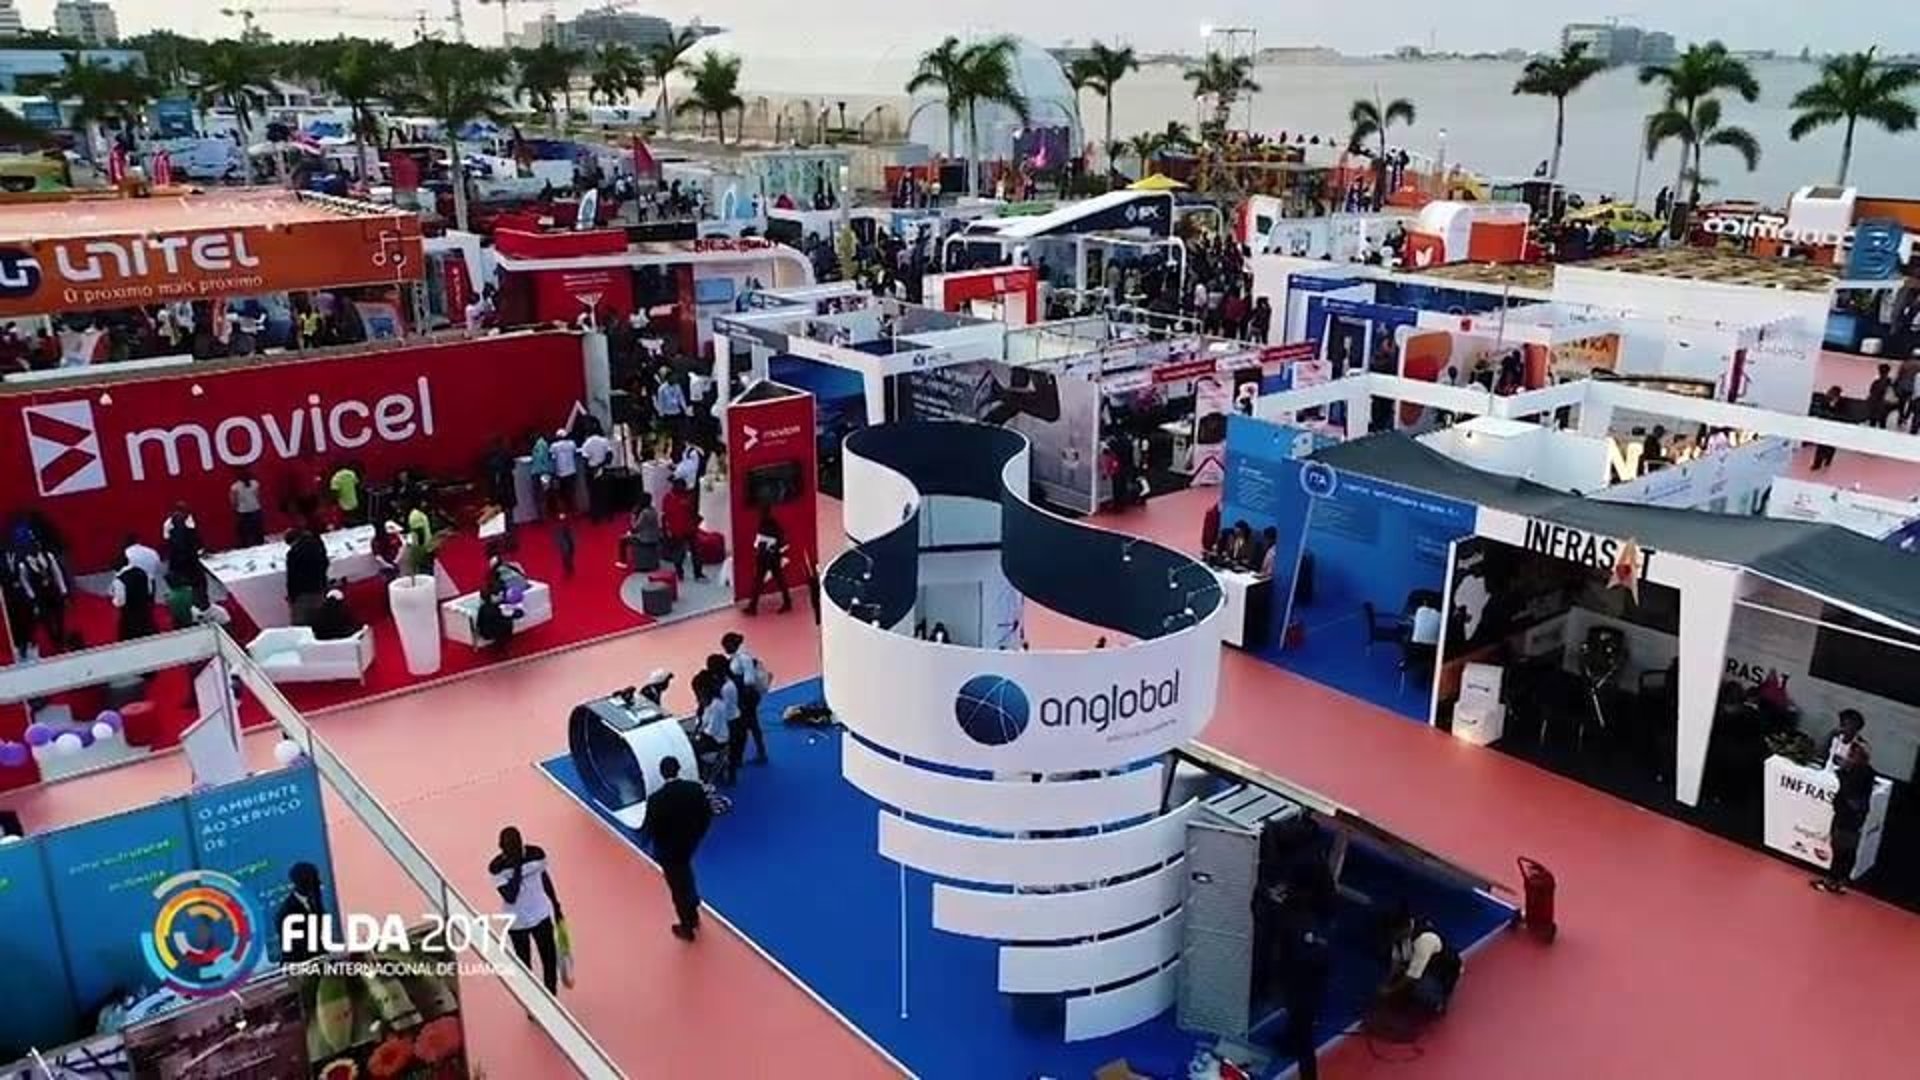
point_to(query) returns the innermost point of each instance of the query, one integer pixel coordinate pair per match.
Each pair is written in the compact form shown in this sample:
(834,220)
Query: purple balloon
(85,733)
(39,734)
(516,593)
(13,755)
(110,717)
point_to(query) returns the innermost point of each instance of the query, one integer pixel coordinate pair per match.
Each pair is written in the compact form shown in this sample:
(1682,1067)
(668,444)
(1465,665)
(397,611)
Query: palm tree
(235,74)
(546,77)
(360,73)
(1177,136)
(716,90)
(170,57)
(1224,79)
(1146,146)
(456,85)
(1558,77)
(1371,118)
(987,76)
(666,59)
(1691,81)
(939,69)
(1695,133)
(617,72)
(1101,68)
(1853,88)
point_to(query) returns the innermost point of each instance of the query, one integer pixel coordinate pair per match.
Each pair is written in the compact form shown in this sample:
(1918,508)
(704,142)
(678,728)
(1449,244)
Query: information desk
(1799,814)
(256,577)
(1245,596)
(617,748)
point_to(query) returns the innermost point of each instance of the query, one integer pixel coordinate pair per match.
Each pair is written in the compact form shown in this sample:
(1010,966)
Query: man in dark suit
(677,819)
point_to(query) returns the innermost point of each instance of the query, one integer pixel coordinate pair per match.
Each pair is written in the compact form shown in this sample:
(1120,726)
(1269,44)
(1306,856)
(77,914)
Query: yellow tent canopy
(1156,182)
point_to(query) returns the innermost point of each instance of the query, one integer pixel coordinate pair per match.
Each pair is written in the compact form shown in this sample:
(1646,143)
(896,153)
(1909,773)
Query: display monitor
(771,485)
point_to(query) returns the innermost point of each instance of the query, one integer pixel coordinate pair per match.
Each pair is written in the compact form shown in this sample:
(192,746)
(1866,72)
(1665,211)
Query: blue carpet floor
(795,868)
(1333,652)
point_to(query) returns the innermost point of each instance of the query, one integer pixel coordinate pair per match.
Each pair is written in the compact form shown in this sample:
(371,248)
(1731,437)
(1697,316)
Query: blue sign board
(172,118)
(33,969)
(254,830)
(103,875)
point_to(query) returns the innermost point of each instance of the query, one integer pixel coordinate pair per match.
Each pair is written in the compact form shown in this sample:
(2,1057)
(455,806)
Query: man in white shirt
(144,557)
(566,466)
(520,875)
(596,452)
(687,469)
(751,678)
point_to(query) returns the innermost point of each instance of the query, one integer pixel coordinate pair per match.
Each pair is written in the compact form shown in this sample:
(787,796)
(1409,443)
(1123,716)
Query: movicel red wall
(108,458)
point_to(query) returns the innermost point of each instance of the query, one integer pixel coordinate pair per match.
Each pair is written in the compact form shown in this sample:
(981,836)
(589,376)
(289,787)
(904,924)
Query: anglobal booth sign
(100,461)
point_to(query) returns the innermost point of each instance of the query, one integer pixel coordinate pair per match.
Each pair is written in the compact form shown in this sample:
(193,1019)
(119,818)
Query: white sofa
(290,654)
(457,615)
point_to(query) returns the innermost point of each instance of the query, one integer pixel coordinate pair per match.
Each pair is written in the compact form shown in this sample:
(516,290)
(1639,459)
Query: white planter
(416,615)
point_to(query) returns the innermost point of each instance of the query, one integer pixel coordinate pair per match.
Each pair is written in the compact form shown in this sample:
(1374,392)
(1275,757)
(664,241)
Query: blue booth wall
(1372,542)
(75,901)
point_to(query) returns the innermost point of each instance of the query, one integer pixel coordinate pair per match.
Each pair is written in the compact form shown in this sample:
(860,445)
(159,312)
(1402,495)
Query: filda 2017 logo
(313,427)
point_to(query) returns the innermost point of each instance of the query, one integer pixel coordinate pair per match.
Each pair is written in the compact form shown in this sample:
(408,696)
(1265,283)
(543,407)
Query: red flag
(162,168)
(646,171)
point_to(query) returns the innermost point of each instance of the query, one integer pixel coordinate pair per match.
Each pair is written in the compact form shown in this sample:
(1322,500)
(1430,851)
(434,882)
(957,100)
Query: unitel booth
(1691,662)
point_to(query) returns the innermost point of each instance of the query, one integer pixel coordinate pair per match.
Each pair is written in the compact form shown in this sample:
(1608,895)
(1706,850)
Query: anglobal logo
(206,937)
(64,447)
(19,273)
(992,710)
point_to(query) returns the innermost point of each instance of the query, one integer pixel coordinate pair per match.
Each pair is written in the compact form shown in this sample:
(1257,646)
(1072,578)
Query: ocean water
(1487,128)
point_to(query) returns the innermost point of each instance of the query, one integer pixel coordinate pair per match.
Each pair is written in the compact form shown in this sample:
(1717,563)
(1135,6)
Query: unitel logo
(19,274)
(993,710)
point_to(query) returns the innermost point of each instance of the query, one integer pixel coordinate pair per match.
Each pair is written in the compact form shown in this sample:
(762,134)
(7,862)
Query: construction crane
(248,14)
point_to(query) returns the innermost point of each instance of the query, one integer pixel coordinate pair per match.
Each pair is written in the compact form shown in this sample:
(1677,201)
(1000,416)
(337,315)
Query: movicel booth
(1694,663)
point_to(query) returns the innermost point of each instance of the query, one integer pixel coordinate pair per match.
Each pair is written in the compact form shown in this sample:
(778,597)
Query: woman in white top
(520,874)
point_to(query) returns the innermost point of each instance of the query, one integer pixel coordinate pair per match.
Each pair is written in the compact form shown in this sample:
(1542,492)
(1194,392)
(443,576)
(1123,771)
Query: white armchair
(290,654)
(457,615)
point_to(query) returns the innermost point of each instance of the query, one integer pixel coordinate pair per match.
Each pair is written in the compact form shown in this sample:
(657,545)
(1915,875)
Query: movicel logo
(64,447)
(316,428)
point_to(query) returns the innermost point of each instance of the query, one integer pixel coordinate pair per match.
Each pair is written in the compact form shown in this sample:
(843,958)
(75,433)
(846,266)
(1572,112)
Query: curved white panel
(995,860)
(1053,916)
(1004,806)
(1046,969)
(1094,1015)
(877,498)
(1082,710)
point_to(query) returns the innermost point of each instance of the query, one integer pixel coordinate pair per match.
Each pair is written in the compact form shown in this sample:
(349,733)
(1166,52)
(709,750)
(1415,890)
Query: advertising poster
(262,1034)
(256,829)
(1212,402)
(402,1023)
(102,876)
(33,968)
(774,464)
(1058,413)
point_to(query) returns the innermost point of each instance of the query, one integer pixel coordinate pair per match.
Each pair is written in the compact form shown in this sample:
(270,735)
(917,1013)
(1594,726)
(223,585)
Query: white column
(1706,618)
(1596,417)
(722,383)
(599,376)
(1359,406)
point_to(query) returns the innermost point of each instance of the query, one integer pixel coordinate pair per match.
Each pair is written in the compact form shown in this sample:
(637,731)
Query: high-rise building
(10,25)
(1615,43)
(1657,48)
(597,28)
(1597,37)
(89,21)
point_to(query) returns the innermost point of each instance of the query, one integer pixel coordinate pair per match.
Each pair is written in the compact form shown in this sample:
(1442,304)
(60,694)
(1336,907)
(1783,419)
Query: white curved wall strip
(1091,1016)
(877,498)
(915,709)
(993,860)
(1048,969)
(997,805)
(1055,916)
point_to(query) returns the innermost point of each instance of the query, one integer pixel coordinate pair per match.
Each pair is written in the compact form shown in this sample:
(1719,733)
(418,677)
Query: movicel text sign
(105,460)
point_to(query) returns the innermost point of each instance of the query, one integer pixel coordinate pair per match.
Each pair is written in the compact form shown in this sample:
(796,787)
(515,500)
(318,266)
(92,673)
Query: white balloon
(69,743)
(286,752)
(104,730)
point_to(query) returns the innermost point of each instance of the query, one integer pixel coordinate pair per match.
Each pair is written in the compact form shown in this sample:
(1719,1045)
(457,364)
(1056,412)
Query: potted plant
(414,598)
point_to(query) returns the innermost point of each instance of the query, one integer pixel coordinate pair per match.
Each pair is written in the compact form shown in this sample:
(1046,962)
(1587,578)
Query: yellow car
(1629,224)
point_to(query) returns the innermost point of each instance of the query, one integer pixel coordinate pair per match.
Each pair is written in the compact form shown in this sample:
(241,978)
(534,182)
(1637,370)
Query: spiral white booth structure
(1033,785)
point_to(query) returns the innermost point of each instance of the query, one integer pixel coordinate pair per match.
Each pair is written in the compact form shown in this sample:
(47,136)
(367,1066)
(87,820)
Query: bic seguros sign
(70,454)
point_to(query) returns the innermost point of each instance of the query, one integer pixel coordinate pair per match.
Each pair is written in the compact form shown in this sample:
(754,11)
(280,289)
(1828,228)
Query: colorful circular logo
(206,937)
(992,710)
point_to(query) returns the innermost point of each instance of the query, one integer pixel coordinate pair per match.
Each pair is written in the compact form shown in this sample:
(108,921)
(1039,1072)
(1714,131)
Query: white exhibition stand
(256,577)
(1234,588)
(1799,814)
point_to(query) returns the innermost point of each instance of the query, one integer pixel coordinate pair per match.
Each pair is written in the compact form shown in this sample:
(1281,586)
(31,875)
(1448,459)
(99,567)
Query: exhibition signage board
(772,458)
(1058,411)
(132,260)
(1799,814)
(127,452)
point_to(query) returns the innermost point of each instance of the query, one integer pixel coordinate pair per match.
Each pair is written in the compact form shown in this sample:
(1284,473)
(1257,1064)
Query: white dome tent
(1051,102)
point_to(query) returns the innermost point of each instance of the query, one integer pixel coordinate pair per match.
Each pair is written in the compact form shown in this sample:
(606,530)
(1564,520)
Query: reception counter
(1246,599)
(1799,814)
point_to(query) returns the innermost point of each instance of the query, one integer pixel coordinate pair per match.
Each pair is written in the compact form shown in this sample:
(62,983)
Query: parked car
(1630,224)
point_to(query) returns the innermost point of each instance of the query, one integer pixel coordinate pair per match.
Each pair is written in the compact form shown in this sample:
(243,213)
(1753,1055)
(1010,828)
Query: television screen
(713,291)
(771,485)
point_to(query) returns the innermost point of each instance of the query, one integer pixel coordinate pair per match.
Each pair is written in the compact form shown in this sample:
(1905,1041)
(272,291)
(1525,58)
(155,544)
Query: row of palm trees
(1851,89)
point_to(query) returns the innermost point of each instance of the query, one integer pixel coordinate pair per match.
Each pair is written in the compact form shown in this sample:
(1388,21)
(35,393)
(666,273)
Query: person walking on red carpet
(677,818)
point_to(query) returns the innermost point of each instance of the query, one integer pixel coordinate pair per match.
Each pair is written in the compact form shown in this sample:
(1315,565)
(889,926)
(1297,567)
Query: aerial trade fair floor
(1680,954)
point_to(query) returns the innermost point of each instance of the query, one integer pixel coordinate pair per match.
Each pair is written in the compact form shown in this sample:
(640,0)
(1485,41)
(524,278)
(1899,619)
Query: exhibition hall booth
(1036,869)
(1691,661)
(152,941)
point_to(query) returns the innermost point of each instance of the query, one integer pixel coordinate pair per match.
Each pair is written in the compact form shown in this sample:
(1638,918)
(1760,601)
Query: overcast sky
(872,27)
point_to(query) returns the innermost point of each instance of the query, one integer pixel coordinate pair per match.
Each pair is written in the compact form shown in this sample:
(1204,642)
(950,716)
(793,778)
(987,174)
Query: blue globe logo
(992,710)
(1318,479)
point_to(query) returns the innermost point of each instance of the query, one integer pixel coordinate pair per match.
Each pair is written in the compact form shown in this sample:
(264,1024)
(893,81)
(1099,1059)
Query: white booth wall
(1562,460)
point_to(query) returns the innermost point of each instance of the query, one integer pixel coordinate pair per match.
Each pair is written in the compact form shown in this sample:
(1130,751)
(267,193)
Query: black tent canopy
(1836,564)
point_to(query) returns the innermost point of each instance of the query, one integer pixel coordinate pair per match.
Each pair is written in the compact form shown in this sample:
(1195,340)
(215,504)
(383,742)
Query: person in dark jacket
(335,621)
(769,560)
(307,568)
(677,820)
(305,900)
(133,595)
(1850,804)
